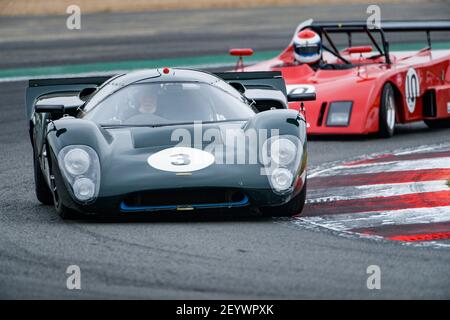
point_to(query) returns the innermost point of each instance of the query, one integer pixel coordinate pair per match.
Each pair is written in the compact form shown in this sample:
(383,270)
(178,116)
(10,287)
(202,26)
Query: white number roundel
(412,89)
(181,159)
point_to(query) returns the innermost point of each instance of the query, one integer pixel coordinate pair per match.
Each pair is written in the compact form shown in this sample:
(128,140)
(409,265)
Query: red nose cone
(166,70)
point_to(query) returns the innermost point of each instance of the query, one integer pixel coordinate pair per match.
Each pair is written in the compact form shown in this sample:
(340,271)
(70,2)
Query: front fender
(285,122)
(72,131)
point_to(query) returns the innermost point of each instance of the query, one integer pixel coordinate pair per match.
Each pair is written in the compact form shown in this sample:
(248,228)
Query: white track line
(423,149)
(315,171)
(377,190)
(345,222)
(391,166)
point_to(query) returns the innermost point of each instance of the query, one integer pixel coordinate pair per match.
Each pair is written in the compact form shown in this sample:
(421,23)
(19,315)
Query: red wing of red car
(367,89)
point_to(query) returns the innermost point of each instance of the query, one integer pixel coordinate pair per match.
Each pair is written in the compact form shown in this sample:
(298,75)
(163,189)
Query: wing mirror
(304,93)
(49,108)
(294,97)
(358,49)
(57,110)
(86,93)
(65,103)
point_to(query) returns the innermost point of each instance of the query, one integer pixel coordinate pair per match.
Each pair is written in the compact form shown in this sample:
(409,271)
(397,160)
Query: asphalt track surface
(204,258)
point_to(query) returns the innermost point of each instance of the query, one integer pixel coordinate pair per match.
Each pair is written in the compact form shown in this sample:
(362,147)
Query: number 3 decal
(412,89)
(181,159)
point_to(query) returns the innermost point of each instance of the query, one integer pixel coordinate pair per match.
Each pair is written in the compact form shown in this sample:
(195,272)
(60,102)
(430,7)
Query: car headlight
(80,167)
(280,150)
(283,151)
(84,189)
(77,161)
(281,179)
(281,157)
(339,114)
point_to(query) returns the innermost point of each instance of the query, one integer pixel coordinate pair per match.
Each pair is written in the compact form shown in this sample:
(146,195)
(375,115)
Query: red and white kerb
(400,196)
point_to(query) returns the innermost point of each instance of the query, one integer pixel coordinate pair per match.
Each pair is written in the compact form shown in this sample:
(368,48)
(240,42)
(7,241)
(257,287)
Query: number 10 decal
(412,89)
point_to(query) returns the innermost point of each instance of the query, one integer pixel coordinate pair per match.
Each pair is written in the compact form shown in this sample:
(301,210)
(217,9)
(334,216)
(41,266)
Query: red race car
(367,89)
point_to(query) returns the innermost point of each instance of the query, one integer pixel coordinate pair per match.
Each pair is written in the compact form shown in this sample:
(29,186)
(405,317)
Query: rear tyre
(43,193)
(387,112)
(438,123)
(289,209)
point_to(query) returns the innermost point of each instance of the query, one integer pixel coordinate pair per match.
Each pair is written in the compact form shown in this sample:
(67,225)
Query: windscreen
(168,103)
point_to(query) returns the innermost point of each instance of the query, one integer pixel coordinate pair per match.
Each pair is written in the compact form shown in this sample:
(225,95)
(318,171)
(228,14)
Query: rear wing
(326,28)
(256,80)
(386,26)
(40,87)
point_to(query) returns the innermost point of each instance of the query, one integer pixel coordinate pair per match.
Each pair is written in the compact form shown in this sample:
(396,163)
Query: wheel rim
(390,110)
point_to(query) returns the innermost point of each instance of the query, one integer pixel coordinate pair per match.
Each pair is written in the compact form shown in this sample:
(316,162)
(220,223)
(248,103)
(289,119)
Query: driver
(146,105)
(147,102)
(308,49)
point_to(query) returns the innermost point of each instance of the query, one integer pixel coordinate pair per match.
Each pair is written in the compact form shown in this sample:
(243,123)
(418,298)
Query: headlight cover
(281,156)
(339,113)
(80,167)
(84,189)
(283,151)
(77,161)
(281,179)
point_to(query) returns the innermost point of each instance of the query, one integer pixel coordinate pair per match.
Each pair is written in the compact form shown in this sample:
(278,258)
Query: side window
(100,95)
(102,92)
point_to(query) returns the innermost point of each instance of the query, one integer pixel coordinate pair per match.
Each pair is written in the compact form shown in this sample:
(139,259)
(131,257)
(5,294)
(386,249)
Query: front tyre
(289,209)
(387,112)
(43,193)
(64,212)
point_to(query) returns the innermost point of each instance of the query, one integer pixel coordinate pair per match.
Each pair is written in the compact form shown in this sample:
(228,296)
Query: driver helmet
(307,47)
